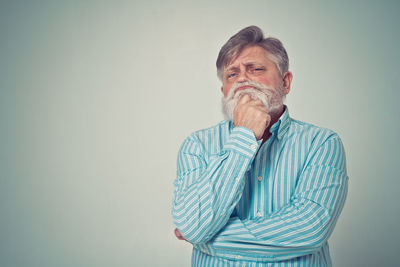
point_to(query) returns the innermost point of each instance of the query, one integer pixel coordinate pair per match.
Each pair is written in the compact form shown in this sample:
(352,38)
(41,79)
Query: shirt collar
(282,125)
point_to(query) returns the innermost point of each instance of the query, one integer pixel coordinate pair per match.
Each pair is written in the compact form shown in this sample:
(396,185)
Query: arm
(206,192)
(302,226)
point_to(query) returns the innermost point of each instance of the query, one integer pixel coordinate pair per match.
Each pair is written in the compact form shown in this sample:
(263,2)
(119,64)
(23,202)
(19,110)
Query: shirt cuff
(243,141)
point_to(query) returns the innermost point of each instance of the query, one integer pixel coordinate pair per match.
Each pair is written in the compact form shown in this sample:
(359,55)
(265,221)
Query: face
(253,64)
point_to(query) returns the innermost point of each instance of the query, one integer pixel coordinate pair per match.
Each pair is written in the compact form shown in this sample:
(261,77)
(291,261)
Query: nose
(243,77)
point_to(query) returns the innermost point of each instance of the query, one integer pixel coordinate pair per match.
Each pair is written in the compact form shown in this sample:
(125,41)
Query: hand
(251,114)
(179,235)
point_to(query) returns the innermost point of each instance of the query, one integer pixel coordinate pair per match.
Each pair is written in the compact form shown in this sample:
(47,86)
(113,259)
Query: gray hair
(252,36)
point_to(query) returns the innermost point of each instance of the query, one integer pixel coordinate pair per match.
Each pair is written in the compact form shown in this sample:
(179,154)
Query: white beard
(271,98)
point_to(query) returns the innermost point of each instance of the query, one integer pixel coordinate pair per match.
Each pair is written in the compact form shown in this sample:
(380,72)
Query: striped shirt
(240,204)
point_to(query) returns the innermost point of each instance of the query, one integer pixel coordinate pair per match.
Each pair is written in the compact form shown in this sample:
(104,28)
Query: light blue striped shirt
(276,207)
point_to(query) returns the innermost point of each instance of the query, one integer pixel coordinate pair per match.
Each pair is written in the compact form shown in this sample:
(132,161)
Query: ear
(222,90)
(287,81)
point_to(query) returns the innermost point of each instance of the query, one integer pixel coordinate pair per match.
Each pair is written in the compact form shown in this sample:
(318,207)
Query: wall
(96,97)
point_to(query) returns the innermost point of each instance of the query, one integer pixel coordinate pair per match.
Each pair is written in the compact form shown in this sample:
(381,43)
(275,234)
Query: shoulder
(209,139)
(319,144)
(222,128)
(311,133)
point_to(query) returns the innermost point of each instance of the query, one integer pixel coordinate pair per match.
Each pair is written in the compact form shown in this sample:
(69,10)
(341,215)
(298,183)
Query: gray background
(97,96)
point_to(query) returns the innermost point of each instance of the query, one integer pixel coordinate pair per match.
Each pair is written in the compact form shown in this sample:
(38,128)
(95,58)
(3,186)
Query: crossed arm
(206,194)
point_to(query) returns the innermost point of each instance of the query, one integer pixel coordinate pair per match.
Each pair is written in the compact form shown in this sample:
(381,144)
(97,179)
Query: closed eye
(259,69)
(254,69)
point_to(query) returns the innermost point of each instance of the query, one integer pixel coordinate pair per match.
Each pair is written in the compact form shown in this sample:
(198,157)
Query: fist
(251,114)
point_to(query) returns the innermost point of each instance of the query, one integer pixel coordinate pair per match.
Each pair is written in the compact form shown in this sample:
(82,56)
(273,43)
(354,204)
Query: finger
(256,102)
(262,108)
(244,99)
(178,234)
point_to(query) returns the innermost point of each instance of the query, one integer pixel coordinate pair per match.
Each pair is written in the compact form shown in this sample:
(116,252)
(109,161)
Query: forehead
(252,54)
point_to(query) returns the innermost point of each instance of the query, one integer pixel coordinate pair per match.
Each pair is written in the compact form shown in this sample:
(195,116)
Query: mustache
(236,90)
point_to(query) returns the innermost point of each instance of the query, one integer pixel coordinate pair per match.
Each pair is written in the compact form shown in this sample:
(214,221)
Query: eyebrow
(232,68)
(249,64)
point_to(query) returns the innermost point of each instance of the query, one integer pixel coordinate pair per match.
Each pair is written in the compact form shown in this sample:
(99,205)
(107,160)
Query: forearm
(207,192)
(300,231)
(202,208)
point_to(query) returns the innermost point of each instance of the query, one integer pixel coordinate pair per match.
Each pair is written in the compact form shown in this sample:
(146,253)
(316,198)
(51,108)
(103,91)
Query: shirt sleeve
(208,187)
(299,228)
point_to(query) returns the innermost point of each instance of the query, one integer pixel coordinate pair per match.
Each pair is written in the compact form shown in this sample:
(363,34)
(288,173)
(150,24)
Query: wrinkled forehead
(250,54)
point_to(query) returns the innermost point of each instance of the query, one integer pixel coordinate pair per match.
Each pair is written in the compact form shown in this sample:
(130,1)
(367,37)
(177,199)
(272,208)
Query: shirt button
(238,257)
(259,178)
(253,147)
(259,214)
(237,179)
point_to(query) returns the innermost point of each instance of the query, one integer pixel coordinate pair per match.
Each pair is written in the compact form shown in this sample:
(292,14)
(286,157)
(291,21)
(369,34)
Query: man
(260,188)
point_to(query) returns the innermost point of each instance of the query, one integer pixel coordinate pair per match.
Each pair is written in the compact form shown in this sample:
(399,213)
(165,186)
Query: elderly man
(260,188)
